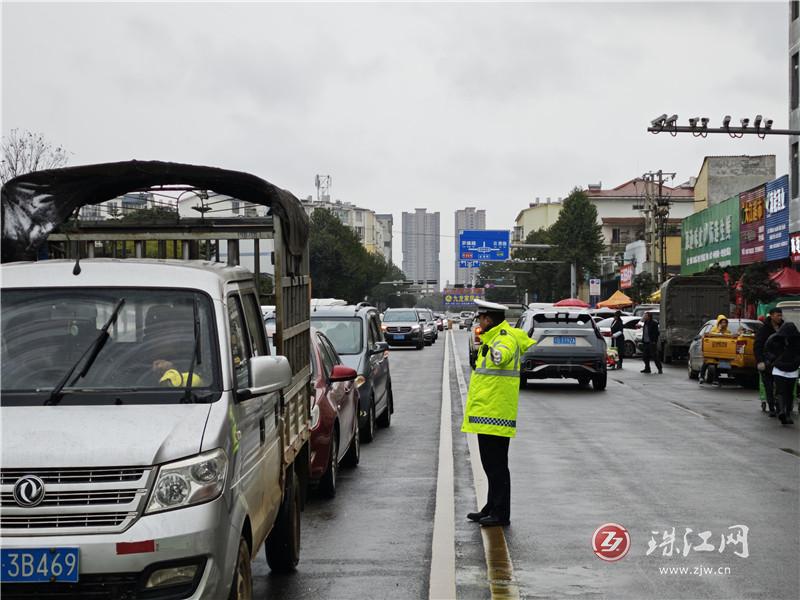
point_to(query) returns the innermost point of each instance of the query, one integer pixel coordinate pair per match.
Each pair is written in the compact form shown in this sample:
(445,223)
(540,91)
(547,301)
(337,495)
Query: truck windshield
(346,334)
(47,331)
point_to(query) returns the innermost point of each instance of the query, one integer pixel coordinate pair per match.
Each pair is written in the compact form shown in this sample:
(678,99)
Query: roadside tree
(25,151)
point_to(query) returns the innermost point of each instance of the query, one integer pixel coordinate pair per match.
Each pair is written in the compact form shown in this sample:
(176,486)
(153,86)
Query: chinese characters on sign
(626,276)
(777,219)
(462,296)
(670,545)
(484,244)
(711,236)
(751,227)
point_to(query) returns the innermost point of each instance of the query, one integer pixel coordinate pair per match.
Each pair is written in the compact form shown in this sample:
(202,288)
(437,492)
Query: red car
(334,415)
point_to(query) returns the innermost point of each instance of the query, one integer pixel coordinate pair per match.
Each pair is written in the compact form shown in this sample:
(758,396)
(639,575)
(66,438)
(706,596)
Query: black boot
(492,521)
(477,516)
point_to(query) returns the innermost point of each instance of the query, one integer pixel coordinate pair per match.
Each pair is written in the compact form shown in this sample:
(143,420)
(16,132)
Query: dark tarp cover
(35,204)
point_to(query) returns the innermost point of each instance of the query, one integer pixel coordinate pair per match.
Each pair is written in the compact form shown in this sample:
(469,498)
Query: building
(467,218)
(421,246)
(622,219)
(385,224)
(362,221)
(721,177)
(794,116)
(540,214)
(123,205)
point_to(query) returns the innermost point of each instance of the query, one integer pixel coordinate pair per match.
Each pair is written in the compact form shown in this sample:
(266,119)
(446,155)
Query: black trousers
(769,387)
(494,458)
(650,352)
(784,394)
(619,344)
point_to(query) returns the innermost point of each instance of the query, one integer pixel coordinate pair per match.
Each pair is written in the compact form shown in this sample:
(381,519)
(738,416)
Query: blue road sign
(469,264)
(484,244)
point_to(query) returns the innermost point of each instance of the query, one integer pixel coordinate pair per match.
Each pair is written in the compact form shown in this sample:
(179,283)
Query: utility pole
(655,207)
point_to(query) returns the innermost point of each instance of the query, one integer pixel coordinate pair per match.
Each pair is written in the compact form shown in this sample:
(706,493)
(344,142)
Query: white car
(629,324)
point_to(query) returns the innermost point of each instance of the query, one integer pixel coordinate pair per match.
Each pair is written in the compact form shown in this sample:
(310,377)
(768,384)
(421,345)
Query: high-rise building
(385,224)
(794,116)
(467,218)
(421,245)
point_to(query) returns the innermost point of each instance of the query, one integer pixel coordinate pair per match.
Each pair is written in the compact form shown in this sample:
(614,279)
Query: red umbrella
(571,302)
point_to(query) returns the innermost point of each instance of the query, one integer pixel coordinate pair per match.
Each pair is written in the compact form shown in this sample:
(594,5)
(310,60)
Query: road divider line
(689,410)
(499,568)
(443,552)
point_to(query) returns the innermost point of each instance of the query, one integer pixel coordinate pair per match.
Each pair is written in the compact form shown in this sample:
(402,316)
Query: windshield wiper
(93,350)
(196,357)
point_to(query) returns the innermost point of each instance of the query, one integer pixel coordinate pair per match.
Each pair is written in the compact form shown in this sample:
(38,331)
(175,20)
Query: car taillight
(740,346)
(606,333)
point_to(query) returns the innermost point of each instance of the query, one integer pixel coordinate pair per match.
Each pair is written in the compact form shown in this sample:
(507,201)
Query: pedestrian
(772,323)
(491,409)
(721,326)
(650,335)
(618,336)
(785,346)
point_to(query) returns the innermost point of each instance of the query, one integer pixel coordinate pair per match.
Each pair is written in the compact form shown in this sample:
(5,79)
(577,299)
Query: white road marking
(443,552)
(500,569)
(689,410)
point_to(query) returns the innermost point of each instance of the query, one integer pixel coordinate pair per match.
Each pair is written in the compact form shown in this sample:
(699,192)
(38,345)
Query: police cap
(489,307)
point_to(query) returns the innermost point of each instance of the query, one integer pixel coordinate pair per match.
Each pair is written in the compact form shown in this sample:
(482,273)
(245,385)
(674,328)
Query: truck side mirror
(268,374)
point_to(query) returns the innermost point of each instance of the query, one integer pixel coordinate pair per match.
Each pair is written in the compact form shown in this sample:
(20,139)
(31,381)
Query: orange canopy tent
(617,300)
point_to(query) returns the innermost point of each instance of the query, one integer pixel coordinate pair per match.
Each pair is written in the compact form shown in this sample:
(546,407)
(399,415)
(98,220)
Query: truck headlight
(189,481)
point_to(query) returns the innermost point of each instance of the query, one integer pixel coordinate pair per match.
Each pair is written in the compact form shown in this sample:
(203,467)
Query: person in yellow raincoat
(169,376)
(721,327)
(491,409)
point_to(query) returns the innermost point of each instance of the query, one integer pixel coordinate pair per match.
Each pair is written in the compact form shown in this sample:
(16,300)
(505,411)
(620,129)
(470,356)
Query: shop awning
(617,300)
(787,280)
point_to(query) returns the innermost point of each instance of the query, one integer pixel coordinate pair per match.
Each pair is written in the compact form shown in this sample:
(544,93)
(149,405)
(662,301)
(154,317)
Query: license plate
(724,364)
(564,340)
(399,337)
(38,565)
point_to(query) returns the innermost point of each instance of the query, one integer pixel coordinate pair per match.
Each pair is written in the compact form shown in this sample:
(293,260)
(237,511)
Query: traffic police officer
(491,409)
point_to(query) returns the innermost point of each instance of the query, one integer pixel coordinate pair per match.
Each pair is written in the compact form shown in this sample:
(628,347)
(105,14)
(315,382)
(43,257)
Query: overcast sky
(406,105)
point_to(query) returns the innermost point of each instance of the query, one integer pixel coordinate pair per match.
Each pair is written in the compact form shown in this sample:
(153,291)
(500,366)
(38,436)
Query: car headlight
(415,328)
(189,481)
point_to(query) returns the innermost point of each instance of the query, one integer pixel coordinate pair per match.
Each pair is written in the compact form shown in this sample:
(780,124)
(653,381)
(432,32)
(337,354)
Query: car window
(399,316)
(255,326)
(563,320)
(240,351)
(325,356)
(333,356)
(345,333)
(375,328)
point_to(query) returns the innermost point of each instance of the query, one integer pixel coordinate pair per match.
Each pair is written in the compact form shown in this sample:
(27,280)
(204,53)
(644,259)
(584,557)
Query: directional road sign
(484,244)
(469,264)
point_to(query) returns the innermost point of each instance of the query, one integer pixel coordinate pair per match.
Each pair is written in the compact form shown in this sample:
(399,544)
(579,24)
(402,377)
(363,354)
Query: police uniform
(491,409)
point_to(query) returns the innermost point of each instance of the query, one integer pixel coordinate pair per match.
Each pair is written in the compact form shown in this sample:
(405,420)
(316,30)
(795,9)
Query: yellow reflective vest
(175,378)
(494,386)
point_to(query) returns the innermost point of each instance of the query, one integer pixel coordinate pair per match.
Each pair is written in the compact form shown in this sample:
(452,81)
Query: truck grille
(88,500)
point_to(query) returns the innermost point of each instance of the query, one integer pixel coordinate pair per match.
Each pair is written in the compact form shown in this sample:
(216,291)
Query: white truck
(150,442)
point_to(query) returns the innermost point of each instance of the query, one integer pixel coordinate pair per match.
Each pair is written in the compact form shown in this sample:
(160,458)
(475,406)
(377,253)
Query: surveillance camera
(745,122)
(658,121)
(693,122)
(757,121)
(704,122)
(726,121)
(672,121)
(768,124)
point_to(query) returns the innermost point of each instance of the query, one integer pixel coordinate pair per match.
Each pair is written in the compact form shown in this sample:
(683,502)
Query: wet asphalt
(651,453)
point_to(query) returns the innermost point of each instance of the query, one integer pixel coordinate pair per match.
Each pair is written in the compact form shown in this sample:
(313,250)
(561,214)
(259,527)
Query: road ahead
(651,453)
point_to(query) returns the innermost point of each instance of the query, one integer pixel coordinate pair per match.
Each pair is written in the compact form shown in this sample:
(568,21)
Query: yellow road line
(499,568)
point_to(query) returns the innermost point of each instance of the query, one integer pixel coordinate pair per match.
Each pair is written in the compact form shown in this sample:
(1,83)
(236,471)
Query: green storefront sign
(711,236)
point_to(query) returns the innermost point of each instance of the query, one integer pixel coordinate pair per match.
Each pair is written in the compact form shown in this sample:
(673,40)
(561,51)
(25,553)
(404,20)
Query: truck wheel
(242,586)
(692,373)
(283,544)
(368,433)
(599,382)
(385,420)
(327,485)
(353,456)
